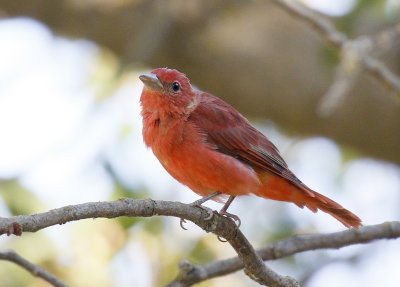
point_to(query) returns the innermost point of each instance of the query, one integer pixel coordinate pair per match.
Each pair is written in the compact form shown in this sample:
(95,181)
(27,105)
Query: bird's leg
(199,203)
(227,214)
(230,215)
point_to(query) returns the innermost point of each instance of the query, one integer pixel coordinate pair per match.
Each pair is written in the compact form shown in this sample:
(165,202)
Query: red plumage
(209,146)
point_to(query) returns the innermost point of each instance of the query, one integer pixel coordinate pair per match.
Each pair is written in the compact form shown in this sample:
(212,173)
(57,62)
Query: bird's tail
(318,201)
(281,189)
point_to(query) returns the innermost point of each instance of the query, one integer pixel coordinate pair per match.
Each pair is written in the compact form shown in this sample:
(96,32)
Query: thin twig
(254,267)
(383,40)
(346,74)
(36,270)
(360,46)
(320,23)
(190,274)
(379,70)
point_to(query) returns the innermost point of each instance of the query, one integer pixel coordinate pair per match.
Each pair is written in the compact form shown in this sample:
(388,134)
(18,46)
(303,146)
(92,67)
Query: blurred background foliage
(70,132)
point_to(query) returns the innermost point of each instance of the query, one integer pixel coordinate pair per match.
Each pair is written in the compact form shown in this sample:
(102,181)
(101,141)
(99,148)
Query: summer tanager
(210,147)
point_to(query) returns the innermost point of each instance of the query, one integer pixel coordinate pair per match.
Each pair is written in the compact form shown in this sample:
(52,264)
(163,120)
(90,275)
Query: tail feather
(279,188)
(331,207)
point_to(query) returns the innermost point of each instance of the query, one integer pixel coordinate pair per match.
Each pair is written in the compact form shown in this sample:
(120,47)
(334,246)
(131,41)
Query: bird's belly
(205,170)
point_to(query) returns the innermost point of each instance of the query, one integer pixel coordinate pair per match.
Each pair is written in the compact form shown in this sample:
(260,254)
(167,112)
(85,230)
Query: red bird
(209,146)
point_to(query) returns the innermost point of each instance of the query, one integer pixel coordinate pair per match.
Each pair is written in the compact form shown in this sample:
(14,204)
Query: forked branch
(248,258)
(254,266)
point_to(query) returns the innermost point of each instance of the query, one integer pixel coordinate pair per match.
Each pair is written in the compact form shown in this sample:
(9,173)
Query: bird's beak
(151,82)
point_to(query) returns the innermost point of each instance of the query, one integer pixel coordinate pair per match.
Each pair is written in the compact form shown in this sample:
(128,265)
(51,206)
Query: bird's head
(169,88)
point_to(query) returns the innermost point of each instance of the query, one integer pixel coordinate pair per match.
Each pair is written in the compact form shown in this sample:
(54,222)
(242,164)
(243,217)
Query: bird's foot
(198,203)
(210,212)
(232,216)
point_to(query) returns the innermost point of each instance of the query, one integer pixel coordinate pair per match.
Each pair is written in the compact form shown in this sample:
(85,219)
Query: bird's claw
(232,216)
(182,221)
(209,211)
(221,240)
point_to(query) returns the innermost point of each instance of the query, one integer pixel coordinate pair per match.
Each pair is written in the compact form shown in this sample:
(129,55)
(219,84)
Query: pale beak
(151,82)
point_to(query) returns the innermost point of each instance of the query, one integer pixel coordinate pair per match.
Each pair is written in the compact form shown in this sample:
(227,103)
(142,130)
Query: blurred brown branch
(254,266)
(278,68)
(354,55)
(191,274)
(36,270)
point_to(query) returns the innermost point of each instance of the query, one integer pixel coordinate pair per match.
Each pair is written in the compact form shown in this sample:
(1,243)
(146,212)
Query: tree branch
(353,60)
(254,267)
(247,258)
(190,274)
(320,23)
(36,270)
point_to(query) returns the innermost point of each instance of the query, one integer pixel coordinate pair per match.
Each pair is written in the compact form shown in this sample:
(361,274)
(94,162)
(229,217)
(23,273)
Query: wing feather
(232,134)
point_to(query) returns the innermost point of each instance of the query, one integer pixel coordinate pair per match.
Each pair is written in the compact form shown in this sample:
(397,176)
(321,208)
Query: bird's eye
(175,86)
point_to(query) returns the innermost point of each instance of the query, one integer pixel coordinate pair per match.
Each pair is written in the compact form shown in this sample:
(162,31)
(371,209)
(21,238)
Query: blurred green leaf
(330,55)
(18,199)
(364,9)
(201,254)
(283,229)
(350,154)
(153,225)
(126,130)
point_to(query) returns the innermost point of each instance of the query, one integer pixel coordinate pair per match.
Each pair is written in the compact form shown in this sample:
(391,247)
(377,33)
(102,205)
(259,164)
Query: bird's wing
(231,133)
